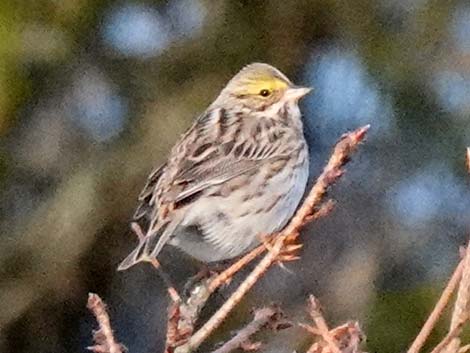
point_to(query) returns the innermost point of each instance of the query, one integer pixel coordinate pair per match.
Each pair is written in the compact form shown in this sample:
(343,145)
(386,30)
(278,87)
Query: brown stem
(103,338)
(449,337)
(261,318)
(226,275)
(461,306)
(320,322)
(467,159)
(437,311)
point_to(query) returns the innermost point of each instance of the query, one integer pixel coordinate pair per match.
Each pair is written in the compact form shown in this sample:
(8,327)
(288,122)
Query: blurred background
(94,93)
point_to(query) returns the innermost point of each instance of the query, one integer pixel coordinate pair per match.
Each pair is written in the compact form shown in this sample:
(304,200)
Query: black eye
(264,92)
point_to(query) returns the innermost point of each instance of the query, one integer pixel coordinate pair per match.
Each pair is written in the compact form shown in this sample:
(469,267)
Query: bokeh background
(94,93)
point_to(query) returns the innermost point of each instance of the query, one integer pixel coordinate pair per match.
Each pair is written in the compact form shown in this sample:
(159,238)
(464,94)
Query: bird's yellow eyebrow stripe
(254,86)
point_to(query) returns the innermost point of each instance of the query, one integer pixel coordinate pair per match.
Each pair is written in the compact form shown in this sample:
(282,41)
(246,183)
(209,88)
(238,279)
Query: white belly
(231,226)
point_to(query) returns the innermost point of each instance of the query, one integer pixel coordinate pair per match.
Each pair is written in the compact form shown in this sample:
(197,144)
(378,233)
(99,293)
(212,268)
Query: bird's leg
(203,274)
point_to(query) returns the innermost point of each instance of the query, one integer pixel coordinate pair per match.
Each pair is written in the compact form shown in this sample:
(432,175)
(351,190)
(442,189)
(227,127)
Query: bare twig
(182,316)
(349,337)
(437,311)
(103,338)
(464,349)
(262,317)
(330,174)
(451,335)
(461,308)
(460,313)
(342,339)
(320,322)
(226,275)
(467,159)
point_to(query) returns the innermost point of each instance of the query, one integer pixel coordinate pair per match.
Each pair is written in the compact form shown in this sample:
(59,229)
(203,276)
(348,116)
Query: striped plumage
(239,172)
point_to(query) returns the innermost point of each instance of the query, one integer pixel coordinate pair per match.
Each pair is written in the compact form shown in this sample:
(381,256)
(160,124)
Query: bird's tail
(150,246)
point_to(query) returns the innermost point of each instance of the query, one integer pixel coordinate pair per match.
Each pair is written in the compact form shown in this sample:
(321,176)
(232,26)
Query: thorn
(284,268)
(287,258)
(293,247)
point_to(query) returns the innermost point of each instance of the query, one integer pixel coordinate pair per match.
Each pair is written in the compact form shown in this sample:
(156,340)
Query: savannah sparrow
(239,172)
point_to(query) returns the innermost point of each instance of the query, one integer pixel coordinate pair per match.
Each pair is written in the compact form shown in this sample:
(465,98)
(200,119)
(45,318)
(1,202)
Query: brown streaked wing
(144,207)
(218,168)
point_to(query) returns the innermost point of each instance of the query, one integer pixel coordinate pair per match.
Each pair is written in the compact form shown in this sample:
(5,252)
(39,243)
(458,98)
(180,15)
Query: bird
(239,172)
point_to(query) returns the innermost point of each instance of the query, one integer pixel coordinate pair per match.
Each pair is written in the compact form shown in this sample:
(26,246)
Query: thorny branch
(277,251)
(103,337)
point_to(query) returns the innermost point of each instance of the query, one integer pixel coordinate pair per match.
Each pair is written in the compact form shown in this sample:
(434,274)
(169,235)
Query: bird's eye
(264,92)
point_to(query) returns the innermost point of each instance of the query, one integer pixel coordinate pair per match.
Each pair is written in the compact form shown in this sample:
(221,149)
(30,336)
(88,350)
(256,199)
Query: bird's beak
(295,93)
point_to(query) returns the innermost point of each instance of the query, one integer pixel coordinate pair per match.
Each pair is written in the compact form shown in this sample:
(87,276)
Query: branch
(333,170)
(460,313)
(451,335)
(467,159)
(437,311)
(103,338)
(320,322)
(182,316)
(262,317)
(342,339)
(461,306)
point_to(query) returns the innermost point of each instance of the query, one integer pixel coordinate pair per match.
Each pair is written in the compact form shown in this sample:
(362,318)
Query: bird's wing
(212,152)
(144,207)
(213,158)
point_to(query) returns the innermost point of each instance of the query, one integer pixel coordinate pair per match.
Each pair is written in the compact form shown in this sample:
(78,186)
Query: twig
(103,338)
(451,335)
(226,275)
(261,318)
(460,313)
(182,316)
(467,159)
(342,339)
(437,311)
(330,174)
(320,322)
